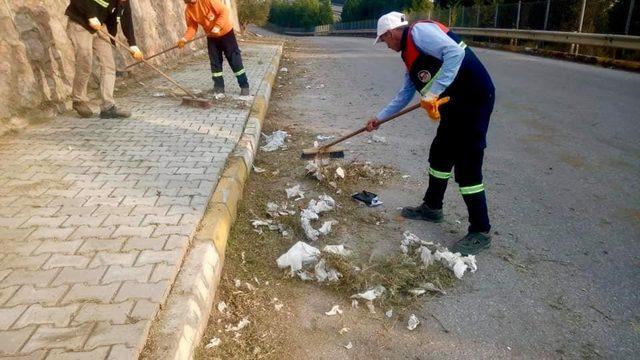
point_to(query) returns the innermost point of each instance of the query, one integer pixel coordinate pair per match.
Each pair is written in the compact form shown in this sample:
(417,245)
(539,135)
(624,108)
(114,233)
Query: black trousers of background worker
(228,46)
(459,144)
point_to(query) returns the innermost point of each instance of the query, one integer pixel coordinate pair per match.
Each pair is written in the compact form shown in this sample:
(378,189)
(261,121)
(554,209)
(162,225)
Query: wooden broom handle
(165,51)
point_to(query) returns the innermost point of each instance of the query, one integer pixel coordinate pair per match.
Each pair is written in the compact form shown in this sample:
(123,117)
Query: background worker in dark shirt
(86,18)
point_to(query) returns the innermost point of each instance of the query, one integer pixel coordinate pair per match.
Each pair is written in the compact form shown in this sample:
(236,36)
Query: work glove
(216,30)
(182,42)
(136,53)
(95,24)
(372,124)
(431,104)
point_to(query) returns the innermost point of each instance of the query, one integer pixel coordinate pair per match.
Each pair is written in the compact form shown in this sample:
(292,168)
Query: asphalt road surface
(562,278)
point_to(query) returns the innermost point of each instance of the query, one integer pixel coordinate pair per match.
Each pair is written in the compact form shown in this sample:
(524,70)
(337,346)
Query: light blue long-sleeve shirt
(431,40)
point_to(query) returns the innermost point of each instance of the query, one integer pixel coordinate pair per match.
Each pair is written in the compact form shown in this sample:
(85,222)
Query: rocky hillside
(36,56)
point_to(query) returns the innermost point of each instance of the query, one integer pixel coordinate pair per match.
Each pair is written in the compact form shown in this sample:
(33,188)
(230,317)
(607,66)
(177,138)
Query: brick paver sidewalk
(96,216)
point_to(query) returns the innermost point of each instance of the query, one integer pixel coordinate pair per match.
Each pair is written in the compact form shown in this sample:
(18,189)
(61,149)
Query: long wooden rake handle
(149,64)
(364,128)
(165,51)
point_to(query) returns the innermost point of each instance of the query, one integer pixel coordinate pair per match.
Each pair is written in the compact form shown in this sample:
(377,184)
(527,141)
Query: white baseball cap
(390,21)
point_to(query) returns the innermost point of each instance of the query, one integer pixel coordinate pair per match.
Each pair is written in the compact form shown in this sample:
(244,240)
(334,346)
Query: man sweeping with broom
(213,16)
(86,19)
(446,73)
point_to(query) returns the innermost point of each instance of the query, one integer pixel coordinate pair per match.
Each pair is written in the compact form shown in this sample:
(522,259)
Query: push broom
(165,51)
(332,151)
(190,100)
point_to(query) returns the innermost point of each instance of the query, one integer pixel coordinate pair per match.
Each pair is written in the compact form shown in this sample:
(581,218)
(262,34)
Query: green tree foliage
(301,13)
(253,12)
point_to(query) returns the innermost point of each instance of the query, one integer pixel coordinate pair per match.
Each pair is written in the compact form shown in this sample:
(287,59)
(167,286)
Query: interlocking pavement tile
(48,337)
(137,231)
(38,278)
(61,260)
(7,293)
(119,352)
(9,315)
(59,247)
(177,242)
(72,276)
(118,273)
(59,316)
(127,334)
(155,292)
(29,294)
(98,244)
(84,232)
(139,243)
(171,257)
(16,261)
(97,354)
(12,340)
(91,293)
(114,258)
(113,313)
(145,309)
(47,233)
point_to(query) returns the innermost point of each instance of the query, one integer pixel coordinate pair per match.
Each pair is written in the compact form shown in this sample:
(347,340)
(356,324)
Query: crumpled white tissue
(297,255)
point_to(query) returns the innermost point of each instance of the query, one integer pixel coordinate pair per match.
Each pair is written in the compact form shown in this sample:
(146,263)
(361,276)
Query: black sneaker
(244,91)
(114,113)
(217,91)
(422,212)
(472,243)
(82,109)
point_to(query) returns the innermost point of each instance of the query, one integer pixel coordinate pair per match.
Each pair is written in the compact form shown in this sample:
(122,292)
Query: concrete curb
(180,324)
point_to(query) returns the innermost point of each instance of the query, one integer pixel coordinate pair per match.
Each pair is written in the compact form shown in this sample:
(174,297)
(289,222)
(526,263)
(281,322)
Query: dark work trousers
(459,145)
(228,46)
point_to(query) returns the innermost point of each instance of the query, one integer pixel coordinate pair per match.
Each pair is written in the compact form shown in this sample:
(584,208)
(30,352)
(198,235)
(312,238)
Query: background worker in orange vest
(213,16)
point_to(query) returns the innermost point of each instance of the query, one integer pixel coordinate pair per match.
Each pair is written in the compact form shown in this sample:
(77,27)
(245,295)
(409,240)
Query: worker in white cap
(445,71)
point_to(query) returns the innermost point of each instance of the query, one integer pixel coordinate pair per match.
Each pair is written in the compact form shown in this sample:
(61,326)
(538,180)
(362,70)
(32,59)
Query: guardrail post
(462,16)
(584,6)
(478,17)
(518,16)
(546,15)
(495,18)
(628,25)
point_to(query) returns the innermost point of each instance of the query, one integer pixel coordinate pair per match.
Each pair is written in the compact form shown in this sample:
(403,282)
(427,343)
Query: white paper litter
(411,240)
(335,310)
(213,343)
(305,276)
(340,173)
(426,256)
(241,325)
(324,273)
(219,96)
(284,69)
(325,229)
(324,137)
(314,167)
(274,210)
(315,207)
(344,330)
(406,176)
(258,170)
(348,346)
(456,262)
(295,192)
(354,303)
(237,283)
(413,322)
(158,94)
(278,307)
(338,250)
(417,292)
(250,287)
(389,313)
(297,255)
(275,141)
(379,139)
(222,306)
(430,287)
(371,294)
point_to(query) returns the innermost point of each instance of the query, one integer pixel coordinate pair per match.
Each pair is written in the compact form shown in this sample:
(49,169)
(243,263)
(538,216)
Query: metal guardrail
(589,39)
